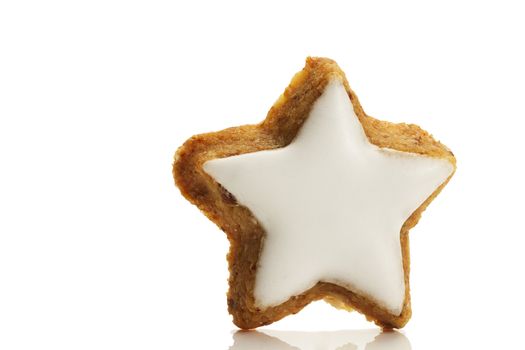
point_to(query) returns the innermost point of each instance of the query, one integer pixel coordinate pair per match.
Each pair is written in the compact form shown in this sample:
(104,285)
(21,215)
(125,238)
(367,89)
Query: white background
(98,250)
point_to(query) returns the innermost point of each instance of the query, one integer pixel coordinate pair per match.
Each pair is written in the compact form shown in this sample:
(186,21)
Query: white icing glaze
(332,205)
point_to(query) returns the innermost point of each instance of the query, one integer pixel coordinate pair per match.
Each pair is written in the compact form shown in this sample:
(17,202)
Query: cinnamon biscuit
(316,201)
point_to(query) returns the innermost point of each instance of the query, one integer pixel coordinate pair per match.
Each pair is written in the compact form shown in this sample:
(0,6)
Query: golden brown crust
(246,236)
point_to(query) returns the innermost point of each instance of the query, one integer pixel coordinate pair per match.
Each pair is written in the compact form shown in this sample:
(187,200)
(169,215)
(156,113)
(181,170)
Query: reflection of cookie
(338,340)
(316,201)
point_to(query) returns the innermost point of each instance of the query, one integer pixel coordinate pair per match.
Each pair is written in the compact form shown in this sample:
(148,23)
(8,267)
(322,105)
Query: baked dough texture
(246,235)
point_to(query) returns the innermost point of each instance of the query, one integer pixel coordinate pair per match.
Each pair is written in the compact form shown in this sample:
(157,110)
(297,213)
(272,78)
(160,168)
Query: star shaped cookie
(316,201)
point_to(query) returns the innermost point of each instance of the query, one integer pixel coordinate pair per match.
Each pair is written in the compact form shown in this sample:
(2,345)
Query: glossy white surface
(332,205)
